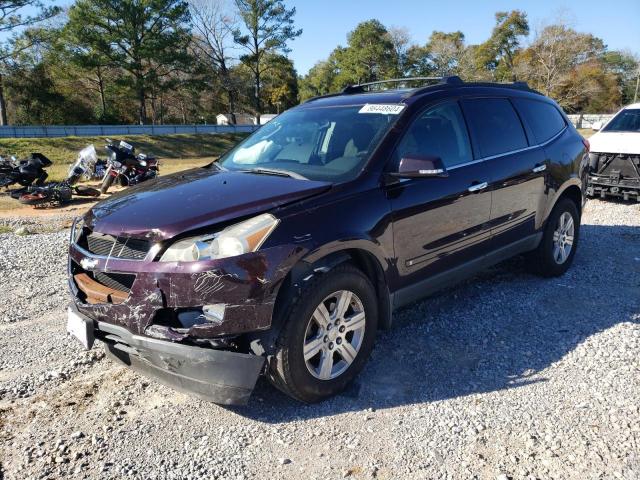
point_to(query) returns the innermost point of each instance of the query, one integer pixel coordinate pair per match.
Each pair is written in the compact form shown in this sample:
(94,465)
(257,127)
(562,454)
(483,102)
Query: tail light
(586,144)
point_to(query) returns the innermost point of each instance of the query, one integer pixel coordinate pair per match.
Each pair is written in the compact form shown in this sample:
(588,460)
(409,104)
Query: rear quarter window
(543,118)
(495,126)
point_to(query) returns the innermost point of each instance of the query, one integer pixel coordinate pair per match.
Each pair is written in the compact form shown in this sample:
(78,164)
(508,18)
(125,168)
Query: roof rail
(452,80)
(514,85)
(360,88)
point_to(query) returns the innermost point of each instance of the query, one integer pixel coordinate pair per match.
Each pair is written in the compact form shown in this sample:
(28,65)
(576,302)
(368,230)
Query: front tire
(327,337)
(554,255)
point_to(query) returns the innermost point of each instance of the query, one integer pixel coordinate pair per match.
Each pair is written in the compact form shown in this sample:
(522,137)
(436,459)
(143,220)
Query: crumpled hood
(173,204)
(615,142)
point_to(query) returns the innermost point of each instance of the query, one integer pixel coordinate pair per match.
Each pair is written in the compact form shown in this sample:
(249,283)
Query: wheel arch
(571,190)
(317,263)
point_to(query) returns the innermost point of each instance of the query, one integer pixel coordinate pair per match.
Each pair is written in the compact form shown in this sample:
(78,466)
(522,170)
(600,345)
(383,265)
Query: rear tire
(554,255)
(107,181)
(328,334)
(84,191)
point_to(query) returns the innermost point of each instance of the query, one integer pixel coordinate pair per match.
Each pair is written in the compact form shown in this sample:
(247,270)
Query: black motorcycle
(125,166)
(24,172)
(55,194)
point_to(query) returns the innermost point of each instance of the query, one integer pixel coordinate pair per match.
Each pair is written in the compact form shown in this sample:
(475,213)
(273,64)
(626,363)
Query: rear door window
(543,118)
(495,126)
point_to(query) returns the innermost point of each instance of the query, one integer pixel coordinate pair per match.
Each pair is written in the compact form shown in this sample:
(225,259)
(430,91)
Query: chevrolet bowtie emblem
(88,263)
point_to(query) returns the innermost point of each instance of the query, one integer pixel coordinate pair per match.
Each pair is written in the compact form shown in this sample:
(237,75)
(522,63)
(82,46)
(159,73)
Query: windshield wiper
(278,172)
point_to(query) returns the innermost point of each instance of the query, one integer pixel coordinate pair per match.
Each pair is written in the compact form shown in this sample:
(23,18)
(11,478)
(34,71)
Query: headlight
(243,237)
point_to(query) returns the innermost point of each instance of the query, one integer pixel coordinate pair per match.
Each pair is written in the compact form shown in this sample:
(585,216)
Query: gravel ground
(505,376)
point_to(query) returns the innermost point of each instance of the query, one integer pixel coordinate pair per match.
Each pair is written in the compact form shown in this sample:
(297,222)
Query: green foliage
(35,99)
(268,26)
(15,14)
(497,53)
(575,69)
(280,88)
(369,55)
(147,39)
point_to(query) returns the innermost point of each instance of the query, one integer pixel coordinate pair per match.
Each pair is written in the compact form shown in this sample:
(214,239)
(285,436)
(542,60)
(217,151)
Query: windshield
(324,143)
(626,121)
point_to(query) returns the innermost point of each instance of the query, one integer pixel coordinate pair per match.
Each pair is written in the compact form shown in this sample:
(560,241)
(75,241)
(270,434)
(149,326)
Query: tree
(320,80)
(498,52)
(268,28)
(445,51)
(95,67)
(280,90)
(369,56)
(13,18)
(562,64)
(401,41)
(626,67)
(213,34)
(37,94)
(148,39)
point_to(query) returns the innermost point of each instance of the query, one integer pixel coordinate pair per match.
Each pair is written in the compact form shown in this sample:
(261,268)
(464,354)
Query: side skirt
(427,287)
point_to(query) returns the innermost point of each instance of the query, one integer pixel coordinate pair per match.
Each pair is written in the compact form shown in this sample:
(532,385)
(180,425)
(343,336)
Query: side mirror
(596,126)
(415,166)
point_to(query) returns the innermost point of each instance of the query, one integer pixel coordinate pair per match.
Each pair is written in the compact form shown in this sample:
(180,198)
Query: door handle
(539,168)
(477,187)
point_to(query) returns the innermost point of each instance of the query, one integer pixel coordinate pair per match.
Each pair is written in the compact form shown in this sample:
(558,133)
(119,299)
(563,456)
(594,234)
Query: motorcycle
(125,166)
(55,194)
(24,172)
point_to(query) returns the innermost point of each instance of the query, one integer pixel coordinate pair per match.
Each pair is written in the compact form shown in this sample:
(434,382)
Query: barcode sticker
(384,109)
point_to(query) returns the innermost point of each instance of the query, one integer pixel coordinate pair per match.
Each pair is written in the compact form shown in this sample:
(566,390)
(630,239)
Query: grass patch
(5,229)
(176,152)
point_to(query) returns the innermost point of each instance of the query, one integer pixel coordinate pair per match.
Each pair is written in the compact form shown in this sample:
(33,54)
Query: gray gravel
(505,376)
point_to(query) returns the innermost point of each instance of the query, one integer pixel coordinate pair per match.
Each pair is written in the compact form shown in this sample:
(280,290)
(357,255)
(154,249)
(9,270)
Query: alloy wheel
(334,335)
(563,237)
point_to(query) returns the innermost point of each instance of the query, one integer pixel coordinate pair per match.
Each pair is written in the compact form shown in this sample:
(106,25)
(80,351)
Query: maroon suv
(286,256)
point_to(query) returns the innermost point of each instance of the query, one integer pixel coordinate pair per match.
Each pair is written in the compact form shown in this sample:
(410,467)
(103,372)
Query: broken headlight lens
(243,237)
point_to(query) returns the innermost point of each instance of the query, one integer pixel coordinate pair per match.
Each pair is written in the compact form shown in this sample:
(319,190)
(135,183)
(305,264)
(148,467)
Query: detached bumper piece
(219,376)
(614,175)
(98,293)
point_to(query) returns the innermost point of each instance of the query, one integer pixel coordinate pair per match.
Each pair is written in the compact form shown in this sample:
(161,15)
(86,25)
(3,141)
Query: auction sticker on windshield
(384,109)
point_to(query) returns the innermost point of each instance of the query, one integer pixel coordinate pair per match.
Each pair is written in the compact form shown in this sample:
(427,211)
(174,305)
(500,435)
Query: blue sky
(327,22)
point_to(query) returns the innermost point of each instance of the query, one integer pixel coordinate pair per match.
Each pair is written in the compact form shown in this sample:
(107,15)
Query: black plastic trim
(219,376)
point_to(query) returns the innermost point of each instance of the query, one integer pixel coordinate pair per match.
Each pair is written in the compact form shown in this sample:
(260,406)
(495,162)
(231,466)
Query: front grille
(117,281)
(118,247)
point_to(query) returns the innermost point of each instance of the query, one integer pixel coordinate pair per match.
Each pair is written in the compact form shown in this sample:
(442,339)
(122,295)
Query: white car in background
(614,161)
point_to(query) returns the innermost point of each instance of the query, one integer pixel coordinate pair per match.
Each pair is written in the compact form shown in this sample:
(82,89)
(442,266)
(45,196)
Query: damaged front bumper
(220,376)
(186,324)
(152,298)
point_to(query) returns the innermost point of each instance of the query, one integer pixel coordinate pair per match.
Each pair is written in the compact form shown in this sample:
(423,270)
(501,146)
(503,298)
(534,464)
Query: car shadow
(496,331)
